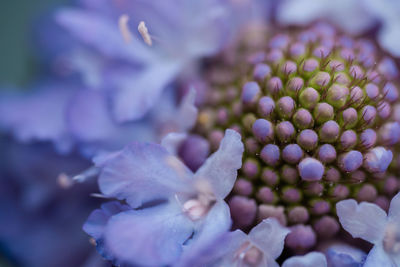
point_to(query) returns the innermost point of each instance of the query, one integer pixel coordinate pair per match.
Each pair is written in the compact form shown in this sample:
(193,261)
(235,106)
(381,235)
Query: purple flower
(168,203)
(133,72)
(260,247)
(369,222)
(308,260)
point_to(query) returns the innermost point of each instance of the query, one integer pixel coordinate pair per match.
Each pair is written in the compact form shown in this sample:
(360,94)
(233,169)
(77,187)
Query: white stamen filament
(124,28)
(144,32)
(66,181)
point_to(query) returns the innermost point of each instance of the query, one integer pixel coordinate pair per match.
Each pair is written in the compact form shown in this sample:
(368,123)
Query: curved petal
(364,220)
(187,113)
(218,221)
(220,169)
(148,237)
(98,219)
(172,141)
(209,244)
(269,236)
(394,210)
(233,242)
(339,255)
(309,260)
(39,115)
(378,257)
(137,91)
(142,173)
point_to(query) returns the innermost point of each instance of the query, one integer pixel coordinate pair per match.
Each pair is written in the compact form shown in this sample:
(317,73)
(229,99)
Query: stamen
(66,181)
(124,28)
(97,195)
(195,209)
(144,32)
(391,241)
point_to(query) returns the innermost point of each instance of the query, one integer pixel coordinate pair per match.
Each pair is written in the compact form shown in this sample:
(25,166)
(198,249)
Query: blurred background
(40,222)
(18,61)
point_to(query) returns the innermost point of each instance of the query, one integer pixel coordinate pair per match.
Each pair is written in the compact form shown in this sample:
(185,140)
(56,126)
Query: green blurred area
(17,57)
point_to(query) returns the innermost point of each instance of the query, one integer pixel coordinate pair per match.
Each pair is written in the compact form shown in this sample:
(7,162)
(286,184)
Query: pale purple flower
(167,202)
(261,247)
(369,222)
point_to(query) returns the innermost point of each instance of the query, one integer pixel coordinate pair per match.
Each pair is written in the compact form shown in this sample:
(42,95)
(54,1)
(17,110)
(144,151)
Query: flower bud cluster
(318,112)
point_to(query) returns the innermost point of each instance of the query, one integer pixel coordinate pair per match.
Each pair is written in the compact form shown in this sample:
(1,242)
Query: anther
(124,28)
(144,32)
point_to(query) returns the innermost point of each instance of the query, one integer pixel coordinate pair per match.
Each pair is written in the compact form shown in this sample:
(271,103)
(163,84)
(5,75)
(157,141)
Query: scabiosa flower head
(318,121)
(167,203)
(369,222)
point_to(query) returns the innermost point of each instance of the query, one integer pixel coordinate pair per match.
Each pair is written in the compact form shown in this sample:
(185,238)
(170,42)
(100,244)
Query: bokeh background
(18,60)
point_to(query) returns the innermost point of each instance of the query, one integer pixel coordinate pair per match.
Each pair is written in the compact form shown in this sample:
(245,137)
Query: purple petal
(269,236)
(344,255)
(38,116)
(187,113)
(150,237)
(138,91)
(378,257)
(394,210)
(308,260)
(208,245)
(364,220)
(98,219)
(142,173)
(220,169)
(172,142)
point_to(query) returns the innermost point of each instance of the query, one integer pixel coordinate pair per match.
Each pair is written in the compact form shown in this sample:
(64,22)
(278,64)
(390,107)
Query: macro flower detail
(167,202)
(318,122)
(203,133)
(371,223)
